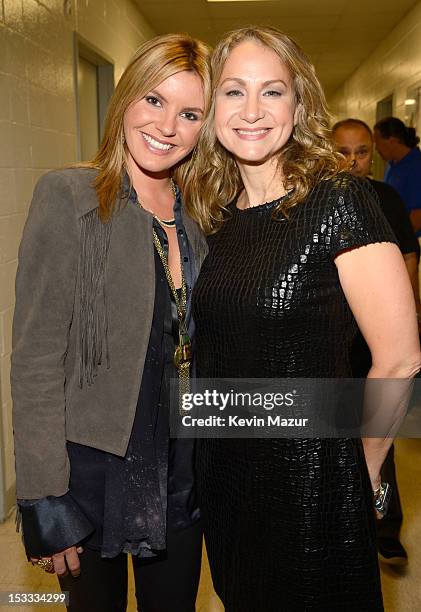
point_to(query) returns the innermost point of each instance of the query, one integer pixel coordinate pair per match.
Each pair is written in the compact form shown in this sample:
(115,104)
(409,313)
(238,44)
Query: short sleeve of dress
(355,217)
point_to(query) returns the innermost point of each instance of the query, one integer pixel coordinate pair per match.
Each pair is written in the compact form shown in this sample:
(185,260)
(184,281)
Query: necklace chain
(180,303)
(164,222)
(183,353)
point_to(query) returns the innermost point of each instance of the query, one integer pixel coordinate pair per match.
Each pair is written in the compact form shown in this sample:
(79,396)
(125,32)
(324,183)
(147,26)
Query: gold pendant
(183,352)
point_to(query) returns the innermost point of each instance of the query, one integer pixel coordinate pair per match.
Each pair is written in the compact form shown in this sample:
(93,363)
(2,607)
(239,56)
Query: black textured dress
(289,523)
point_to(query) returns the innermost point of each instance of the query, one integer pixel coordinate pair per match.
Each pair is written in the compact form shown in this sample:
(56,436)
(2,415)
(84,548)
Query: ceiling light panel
(237,0)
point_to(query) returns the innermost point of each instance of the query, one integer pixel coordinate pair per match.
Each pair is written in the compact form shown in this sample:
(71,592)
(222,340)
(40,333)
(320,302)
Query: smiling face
(255,104)
(163,127)
(356,144)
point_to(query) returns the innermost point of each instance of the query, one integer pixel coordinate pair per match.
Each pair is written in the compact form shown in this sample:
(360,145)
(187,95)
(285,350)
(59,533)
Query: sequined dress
(289,523)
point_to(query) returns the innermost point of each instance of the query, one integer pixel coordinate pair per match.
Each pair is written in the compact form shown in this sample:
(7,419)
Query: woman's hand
(65,560)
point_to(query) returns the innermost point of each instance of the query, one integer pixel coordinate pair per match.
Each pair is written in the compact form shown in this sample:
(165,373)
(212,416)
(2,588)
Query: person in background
(397,144)
(354,139)
(107,264)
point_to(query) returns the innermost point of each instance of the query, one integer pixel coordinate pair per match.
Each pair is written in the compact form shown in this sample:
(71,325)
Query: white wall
(393,67)
(38,127)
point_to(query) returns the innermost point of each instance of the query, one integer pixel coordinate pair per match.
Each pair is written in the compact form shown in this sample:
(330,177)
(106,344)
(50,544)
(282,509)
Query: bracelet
(382,497)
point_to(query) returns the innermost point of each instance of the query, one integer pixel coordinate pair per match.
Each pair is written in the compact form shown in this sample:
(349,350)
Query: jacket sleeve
(45,290)
(51,524)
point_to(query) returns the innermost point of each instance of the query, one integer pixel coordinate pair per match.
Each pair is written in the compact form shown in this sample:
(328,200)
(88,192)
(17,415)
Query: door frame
(105,80)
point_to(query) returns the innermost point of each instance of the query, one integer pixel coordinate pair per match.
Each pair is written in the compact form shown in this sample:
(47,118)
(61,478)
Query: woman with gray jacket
(106,268)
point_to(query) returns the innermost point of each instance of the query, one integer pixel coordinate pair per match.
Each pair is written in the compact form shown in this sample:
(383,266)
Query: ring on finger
(44,564)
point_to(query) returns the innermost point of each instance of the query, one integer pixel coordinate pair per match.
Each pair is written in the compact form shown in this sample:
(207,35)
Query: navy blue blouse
(131,500)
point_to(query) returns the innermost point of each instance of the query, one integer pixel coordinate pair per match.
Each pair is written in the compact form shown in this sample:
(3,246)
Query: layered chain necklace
(165,222)
(183,352)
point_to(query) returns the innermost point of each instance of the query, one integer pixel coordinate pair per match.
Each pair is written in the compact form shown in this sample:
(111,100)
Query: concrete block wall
(38,128)
(393,68)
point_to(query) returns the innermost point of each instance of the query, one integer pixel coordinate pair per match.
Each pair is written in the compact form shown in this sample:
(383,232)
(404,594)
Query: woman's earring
(123,138)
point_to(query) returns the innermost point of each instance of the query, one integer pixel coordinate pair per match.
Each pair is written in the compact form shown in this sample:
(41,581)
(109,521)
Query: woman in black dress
(296,251)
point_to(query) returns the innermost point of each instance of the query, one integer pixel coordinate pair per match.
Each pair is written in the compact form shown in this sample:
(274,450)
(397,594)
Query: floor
(402,589)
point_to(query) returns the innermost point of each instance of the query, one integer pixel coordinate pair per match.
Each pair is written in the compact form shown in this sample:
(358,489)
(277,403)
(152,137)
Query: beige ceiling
(337,34)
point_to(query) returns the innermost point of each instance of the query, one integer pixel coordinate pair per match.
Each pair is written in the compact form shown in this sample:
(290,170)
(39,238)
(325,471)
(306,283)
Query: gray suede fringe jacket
(84,306)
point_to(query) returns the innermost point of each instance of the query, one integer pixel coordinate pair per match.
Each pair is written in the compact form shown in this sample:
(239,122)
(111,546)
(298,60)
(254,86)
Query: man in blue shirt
(397,144)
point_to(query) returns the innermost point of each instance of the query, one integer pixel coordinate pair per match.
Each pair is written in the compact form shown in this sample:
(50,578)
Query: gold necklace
(183,351)
(164,222)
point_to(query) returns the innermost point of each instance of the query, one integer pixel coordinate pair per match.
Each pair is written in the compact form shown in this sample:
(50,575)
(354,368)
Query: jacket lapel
(130,285)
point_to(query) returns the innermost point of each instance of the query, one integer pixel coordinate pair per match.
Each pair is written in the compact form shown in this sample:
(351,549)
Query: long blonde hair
(155,60)
(307,158)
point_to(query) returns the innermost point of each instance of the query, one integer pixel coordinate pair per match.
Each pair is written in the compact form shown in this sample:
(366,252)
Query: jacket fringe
(93,318)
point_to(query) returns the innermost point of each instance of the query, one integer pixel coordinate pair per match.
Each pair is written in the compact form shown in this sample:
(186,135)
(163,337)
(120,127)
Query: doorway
(384,109)
(94,84)
(412,107)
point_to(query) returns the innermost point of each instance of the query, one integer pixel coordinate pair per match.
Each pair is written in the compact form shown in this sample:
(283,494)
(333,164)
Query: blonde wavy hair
(307,158)
(155,60)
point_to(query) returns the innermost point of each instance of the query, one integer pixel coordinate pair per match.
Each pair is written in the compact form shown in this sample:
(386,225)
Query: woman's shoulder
(342,184)
(351,213)
(344,191)
(74,178)
(74,185)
